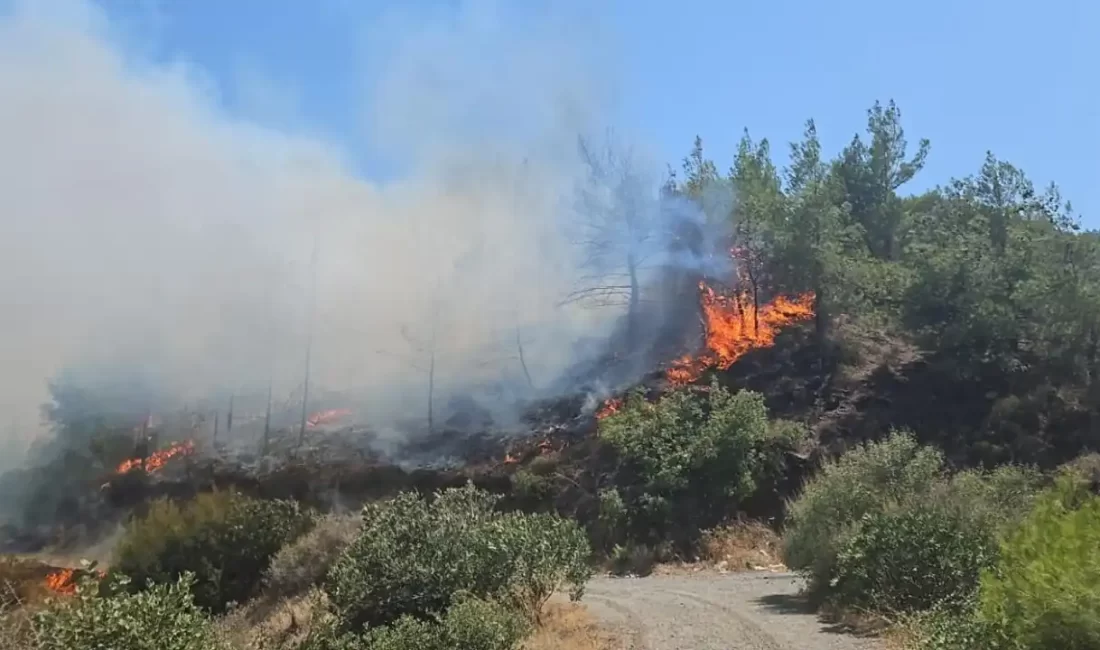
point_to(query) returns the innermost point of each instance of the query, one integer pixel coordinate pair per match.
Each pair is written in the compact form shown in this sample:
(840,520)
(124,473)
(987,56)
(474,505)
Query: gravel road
(734,611)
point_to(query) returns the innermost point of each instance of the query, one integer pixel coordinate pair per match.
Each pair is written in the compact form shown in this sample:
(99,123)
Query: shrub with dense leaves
(305,562)
(689,460)
(226,540)
(163,617)
(469,624)
(911,559)
(860,482)
(414,555)
(1045,591)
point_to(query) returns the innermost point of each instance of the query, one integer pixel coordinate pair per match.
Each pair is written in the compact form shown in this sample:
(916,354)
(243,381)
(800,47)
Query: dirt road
(735,611)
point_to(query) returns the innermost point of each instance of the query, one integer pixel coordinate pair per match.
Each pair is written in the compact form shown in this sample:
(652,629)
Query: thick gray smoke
(145,233)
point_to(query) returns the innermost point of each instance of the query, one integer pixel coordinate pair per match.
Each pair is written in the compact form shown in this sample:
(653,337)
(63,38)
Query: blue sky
(1014,77)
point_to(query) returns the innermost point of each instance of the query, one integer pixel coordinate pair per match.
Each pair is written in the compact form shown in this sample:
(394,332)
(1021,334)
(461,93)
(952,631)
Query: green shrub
(305,562)
(688,460)
(1045,591)
(161,618)
(544,553)
(993,500)
(414,555)
(469,624)
(860,482)
(224,539)
(911,559)
(681,441)
(633,559)
(953,628)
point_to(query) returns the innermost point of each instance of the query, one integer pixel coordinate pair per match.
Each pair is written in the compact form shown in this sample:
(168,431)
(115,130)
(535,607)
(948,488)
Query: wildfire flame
(734,326)
(610,407)
(158,459)
(62,581)
(545,446)
(326,417)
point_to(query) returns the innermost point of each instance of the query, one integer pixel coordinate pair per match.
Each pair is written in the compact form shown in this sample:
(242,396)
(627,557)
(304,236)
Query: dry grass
(569,626)
(742,546)
(267,623)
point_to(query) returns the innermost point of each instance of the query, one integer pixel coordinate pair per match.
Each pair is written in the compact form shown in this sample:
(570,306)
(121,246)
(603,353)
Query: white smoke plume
(145,230)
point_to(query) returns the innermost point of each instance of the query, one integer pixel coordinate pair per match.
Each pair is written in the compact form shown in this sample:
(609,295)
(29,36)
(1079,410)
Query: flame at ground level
(158,459)
(610,407)
(61,581)
(326,417)
(734,326)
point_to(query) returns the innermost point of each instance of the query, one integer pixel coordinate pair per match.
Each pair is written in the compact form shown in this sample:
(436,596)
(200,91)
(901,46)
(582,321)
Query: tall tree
(872,173)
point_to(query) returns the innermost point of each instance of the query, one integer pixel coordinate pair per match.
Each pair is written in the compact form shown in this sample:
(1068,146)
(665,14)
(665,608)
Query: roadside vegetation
(923,452)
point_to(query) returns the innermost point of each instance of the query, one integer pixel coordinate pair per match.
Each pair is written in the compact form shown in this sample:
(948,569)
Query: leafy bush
(993,500)
(911,559)
(1043,593)
(689,460)
(953,628)
(305,562)
(224,539)
(161,618)
(633,559)
(544,554)
(414,555)
(469,624)
(860,482)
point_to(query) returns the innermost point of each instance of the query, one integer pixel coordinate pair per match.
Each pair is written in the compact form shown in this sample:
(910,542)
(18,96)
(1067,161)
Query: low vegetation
(987,560)
(224,539)
(688,463)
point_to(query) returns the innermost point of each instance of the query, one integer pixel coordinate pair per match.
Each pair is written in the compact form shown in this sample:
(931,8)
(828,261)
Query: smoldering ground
(147,236)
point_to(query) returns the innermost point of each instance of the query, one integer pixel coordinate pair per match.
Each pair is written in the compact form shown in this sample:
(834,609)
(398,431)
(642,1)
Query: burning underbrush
(329,461)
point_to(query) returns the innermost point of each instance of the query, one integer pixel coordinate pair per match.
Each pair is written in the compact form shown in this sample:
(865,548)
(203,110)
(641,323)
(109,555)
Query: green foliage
(414,555)
(163,617)
(688,461)
(470,624)
(910,560)
(953,628)
(1045,591)
(859,483)
(305,562)
(226,540)
(990,276)
(884,527)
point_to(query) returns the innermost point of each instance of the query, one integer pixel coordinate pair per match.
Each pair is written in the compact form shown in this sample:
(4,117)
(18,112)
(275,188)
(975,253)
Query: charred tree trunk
(635,298)
(267,419)
(522,360)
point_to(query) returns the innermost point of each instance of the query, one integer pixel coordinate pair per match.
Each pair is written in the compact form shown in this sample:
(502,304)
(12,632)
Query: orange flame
(734,327)
(158,459)
(610,407)
(326,417)
(62,581)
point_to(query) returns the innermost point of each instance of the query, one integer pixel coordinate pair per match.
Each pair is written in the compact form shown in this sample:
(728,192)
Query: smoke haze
(145,231)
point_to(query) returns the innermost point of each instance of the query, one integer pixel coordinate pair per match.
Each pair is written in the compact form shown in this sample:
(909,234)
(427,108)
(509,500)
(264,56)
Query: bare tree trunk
(309,340)
(431,362)
(522,361)
(267,418)
(754,287)
(431,392)
(632,313)
(229,415)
